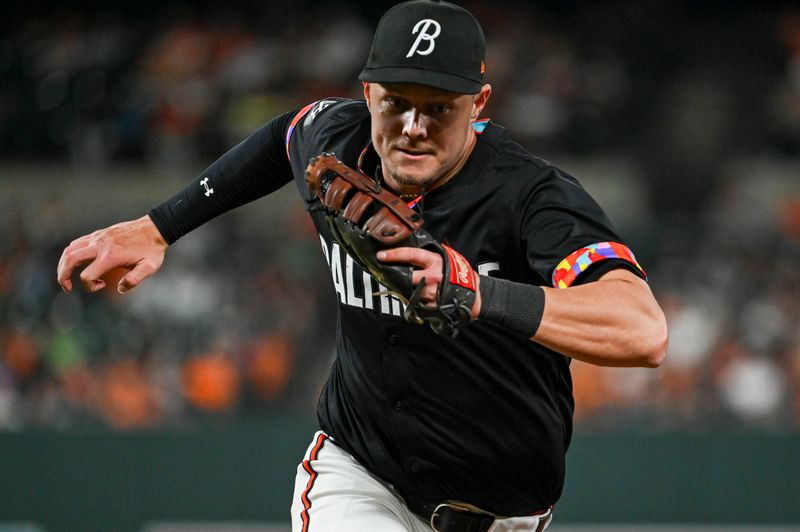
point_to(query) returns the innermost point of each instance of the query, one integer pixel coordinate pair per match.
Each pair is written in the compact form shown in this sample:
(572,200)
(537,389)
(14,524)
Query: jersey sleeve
(333,125)
(568,239)
(252,169)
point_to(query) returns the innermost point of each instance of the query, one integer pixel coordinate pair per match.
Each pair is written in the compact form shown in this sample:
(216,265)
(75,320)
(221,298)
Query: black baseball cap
(428,42)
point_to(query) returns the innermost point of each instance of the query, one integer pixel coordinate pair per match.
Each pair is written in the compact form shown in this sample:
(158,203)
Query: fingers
(428,264)
(135,245)
(429,268)
(142,271)
(75,255)
(416,256)
(429,291)
(430,277)
(91,276)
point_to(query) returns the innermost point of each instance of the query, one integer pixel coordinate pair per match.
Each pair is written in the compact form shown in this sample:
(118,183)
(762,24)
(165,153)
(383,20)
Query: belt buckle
(435,513)
(543,518)
(455,508)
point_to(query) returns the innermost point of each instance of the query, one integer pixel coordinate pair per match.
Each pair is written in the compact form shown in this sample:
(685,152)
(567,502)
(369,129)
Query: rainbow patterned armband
(575,264)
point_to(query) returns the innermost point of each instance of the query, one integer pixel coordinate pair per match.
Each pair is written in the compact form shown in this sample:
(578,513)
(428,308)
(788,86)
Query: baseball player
(449,405)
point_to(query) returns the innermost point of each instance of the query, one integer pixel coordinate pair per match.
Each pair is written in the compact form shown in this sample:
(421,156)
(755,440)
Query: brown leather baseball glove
(366,218)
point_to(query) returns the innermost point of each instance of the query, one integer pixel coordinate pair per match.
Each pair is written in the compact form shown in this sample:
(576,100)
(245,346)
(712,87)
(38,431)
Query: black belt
(451,518)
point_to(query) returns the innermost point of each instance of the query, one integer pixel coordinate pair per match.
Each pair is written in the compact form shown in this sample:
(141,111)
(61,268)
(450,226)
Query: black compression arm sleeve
(251,169)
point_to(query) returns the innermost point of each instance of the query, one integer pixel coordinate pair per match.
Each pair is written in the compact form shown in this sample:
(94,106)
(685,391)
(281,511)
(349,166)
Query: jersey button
(415,467)
(398,406)
(393,338)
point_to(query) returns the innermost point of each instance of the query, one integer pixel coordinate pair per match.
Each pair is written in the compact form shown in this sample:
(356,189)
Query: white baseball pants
(334,493)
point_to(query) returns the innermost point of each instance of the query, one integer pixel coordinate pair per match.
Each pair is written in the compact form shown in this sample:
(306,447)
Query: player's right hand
(136,245)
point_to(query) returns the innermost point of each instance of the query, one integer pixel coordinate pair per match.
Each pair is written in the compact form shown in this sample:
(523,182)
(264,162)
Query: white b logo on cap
(422,27)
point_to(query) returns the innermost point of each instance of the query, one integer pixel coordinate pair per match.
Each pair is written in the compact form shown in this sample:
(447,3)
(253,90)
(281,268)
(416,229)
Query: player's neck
(406,191)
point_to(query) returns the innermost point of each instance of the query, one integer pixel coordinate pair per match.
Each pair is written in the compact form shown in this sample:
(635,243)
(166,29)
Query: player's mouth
(413,154)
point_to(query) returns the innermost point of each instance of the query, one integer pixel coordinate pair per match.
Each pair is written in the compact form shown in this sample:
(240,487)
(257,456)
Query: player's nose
(414,125)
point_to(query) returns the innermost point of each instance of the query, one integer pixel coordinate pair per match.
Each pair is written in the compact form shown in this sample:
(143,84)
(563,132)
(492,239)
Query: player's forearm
(250,170)
(612,322)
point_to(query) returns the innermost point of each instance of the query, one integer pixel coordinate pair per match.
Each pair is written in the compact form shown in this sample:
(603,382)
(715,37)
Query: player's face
(420,132)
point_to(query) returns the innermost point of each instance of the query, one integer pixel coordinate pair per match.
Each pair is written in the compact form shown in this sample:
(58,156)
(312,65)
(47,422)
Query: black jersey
(486,417)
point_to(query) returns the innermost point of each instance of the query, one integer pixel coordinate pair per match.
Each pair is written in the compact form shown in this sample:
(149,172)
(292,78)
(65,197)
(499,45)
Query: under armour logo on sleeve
(423,26)
(208,191)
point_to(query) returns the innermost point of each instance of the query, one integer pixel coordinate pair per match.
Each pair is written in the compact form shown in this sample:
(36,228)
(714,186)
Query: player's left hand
(428,266)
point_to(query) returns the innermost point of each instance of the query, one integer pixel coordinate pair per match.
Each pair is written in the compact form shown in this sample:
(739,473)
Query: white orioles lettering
(355,287)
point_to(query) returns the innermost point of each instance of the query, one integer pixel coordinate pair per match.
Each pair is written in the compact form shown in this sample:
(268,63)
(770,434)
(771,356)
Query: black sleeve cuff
(517,307)
(158,220)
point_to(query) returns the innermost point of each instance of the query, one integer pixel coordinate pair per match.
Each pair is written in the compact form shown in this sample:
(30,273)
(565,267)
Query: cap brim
(440,80)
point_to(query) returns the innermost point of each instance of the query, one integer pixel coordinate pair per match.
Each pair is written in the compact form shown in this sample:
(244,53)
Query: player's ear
(480,100)
(366,92)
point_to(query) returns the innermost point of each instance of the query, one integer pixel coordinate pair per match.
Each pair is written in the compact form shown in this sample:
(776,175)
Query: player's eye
(393,102)
(440,108)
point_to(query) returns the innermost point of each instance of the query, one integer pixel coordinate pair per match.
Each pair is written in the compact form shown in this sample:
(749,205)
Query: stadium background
(189,401)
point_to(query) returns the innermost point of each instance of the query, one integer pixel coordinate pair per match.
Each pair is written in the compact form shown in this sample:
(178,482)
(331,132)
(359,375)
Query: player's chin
(418,173)
(421,179)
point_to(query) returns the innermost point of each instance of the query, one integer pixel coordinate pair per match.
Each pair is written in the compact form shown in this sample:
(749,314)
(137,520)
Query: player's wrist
(476,307)
(152,231)
(518,307)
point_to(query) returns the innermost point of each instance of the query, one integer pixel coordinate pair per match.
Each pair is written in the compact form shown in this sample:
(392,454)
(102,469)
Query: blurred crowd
(232,325)
(703,102)
(730,289)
